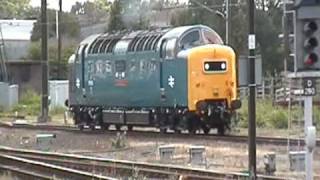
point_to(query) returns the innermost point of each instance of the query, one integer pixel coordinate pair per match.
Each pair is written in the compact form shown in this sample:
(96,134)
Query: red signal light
(311,59)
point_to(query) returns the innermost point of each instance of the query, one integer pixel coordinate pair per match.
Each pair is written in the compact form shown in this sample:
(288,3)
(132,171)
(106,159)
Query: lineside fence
(280,90)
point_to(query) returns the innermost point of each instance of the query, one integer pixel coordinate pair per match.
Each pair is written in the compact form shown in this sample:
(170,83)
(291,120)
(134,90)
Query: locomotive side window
(190,40)
(211,37)
(120,66)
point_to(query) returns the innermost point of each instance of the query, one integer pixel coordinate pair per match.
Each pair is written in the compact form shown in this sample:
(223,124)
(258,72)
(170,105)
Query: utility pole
(227,22)
(252,94)
(59,39)
(285,37)
(44,65)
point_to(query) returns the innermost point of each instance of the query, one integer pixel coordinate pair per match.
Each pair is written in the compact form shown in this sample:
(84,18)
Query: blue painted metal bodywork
(137,86)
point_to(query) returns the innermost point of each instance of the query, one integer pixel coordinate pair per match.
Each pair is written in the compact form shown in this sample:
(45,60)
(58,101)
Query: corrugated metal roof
(16,29)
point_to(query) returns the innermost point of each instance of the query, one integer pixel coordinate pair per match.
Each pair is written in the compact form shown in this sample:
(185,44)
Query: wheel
(205,129)
(92,127)
(221,130)
(105,126)
(177,131)
(192,130)
(81,127)
(118,127)
(163,130)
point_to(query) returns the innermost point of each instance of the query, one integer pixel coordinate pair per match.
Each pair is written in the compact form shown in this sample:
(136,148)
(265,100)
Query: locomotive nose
(212,75)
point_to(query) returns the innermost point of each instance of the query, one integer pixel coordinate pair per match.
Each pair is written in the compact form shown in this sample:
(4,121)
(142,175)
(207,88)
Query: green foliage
(13,8)
(270,116)
(128,14)
(57,110)
(69,26)
(93,11)
(267,115)
(29,104)
(34,53)
(197,15)
(116,22)
(316,117)
(1,109)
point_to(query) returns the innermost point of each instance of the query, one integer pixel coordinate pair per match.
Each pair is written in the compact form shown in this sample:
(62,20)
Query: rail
(40,170)
(228,138)
(120,167)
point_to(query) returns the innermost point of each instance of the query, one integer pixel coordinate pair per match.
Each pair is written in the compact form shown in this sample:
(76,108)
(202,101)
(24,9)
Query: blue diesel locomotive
(180,78)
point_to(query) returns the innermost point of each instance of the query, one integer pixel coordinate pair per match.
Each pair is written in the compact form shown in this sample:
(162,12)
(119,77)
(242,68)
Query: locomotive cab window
(211,37)
(215,66)
(190,40)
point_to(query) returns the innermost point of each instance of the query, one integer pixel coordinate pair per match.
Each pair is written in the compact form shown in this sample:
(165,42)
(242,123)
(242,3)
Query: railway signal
(308,35)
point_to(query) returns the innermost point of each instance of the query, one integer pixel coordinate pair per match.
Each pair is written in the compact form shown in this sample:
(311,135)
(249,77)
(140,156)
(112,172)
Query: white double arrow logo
(171,81)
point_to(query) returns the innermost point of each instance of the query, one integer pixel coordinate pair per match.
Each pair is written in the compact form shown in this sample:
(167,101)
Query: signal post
(308,67)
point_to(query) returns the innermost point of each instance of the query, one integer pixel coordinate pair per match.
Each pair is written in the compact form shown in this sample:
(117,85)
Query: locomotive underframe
(209,114)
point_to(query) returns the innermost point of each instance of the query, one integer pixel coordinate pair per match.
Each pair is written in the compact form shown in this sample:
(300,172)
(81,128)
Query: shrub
(29,104)
(267,115)
(57,110)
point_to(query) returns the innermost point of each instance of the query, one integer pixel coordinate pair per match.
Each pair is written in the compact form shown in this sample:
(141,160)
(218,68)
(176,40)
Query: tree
(13,8)
(129,14)
(34,53)
(196,14)
(115,22)
(94,11)
(267,23)
(69,26)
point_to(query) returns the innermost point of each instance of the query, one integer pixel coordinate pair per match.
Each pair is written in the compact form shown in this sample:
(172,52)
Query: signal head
(311,59)
(311,43)
(310,27)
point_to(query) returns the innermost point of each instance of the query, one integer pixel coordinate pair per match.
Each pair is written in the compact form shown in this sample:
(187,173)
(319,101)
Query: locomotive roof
(141,40)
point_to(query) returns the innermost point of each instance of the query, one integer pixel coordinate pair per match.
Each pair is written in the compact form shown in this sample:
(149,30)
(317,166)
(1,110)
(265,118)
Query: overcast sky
(54,4)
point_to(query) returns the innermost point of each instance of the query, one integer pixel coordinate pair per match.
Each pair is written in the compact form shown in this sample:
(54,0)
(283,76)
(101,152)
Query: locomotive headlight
(223,65)
(206,66)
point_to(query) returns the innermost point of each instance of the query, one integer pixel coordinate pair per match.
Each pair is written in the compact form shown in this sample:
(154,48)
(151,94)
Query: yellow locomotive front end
(212,84)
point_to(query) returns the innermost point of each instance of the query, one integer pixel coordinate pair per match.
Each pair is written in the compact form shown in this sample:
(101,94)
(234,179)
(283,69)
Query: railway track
(227,138)
(32,169)
(116,168)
